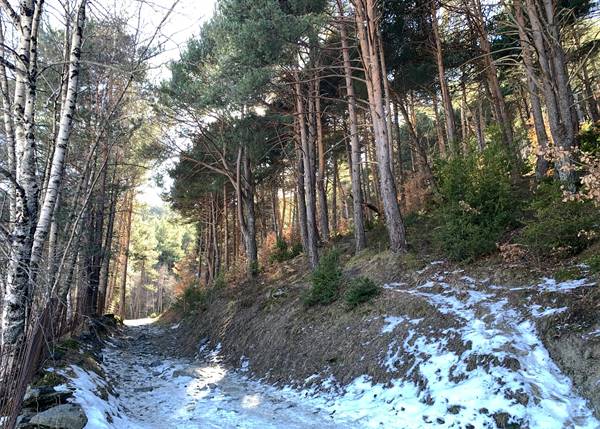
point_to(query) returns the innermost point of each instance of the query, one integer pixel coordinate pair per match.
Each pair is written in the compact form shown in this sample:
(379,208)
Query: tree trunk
(321,192)
(536,105)
(366,21)
(491,73)
(126,241)
(64,132)
(355,173)
(559,114)
(439,58)
(313,255)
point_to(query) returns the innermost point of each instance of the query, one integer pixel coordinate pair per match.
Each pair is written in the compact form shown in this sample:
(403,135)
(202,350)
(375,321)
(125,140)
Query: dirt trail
(156,389)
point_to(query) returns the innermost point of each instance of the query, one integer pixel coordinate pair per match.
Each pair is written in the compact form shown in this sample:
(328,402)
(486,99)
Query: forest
(315,159)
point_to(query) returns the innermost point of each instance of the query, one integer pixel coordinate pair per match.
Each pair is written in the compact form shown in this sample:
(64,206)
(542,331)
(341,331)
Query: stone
(66,416)
(42,397)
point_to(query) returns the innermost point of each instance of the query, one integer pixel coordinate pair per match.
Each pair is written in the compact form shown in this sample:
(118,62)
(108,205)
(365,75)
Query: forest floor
(479,363)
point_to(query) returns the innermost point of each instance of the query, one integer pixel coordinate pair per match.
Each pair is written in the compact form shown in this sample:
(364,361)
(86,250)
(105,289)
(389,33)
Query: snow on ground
(499,372)
(513,376)
(156,392)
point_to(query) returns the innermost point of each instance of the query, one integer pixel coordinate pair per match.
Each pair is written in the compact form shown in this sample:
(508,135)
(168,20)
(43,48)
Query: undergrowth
(477,203)
(284,252)
(559,227)
(361,290)
(325,280)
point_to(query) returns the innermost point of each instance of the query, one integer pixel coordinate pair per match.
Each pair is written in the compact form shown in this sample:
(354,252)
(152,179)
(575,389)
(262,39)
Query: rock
(43,397)
(185,372)
(503,421)
(454,409)
(144,389)
(66,416)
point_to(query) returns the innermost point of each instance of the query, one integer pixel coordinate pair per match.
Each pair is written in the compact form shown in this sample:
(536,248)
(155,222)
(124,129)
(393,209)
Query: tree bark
(312,251)
(439,59)
(355,173)
(368,35)
(321,193)
(536,105)
(126,241)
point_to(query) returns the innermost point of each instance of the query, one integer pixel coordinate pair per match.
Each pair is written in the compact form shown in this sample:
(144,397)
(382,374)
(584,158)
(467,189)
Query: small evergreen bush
(325,280)
(361,290)
(477,203)
(283,252)
(559,227)
(192,298)
(220,282)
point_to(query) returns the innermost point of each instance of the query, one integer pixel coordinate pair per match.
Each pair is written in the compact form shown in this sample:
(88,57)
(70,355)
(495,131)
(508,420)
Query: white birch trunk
(62,139)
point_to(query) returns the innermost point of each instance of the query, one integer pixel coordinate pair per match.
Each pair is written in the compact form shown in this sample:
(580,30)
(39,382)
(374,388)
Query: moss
(50,378)
(69,344)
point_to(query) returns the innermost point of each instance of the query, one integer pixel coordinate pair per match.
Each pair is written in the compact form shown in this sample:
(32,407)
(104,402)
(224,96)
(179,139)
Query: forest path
(157,389)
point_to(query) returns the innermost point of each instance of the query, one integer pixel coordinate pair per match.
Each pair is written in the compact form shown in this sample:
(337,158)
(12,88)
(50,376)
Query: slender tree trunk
(491,73)
(439,58)
(355,176)
(9,130)
(106,257)
(300,195)
(248,198)
(536,105)
(64,132)
(366,20)
(559,114)
(321,192)
(226,260)
(126,241)
(438,125)
(313,255)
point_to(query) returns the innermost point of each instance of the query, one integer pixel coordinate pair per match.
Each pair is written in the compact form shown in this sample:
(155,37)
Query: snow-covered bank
(503,377)
(471,359)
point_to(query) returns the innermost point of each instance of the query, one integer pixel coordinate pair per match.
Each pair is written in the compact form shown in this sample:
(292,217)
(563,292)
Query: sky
(183,24)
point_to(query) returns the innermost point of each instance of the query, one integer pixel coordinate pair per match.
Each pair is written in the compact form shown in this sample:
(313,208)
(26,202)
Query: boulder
(42,397)
(66,416)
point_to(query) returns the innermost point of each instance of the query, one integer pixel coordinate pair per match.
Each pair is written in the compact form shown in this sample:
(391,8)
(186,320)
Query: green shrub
(593,262)
(589,138)
(325,280)
(192,298)
(282,252)
(361,290)
(295,250)
(220,282)
(566,274)
(477,203)
(559,227)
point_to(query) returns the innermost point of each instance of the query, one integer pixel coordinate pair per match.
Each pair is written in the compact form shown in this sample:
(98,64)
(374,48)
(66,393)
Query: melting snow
(551,285)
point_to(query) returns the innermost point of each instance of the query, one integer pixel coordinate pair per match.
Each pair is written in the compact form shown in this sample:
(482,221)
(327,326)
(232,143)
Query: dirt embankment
(426,308)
